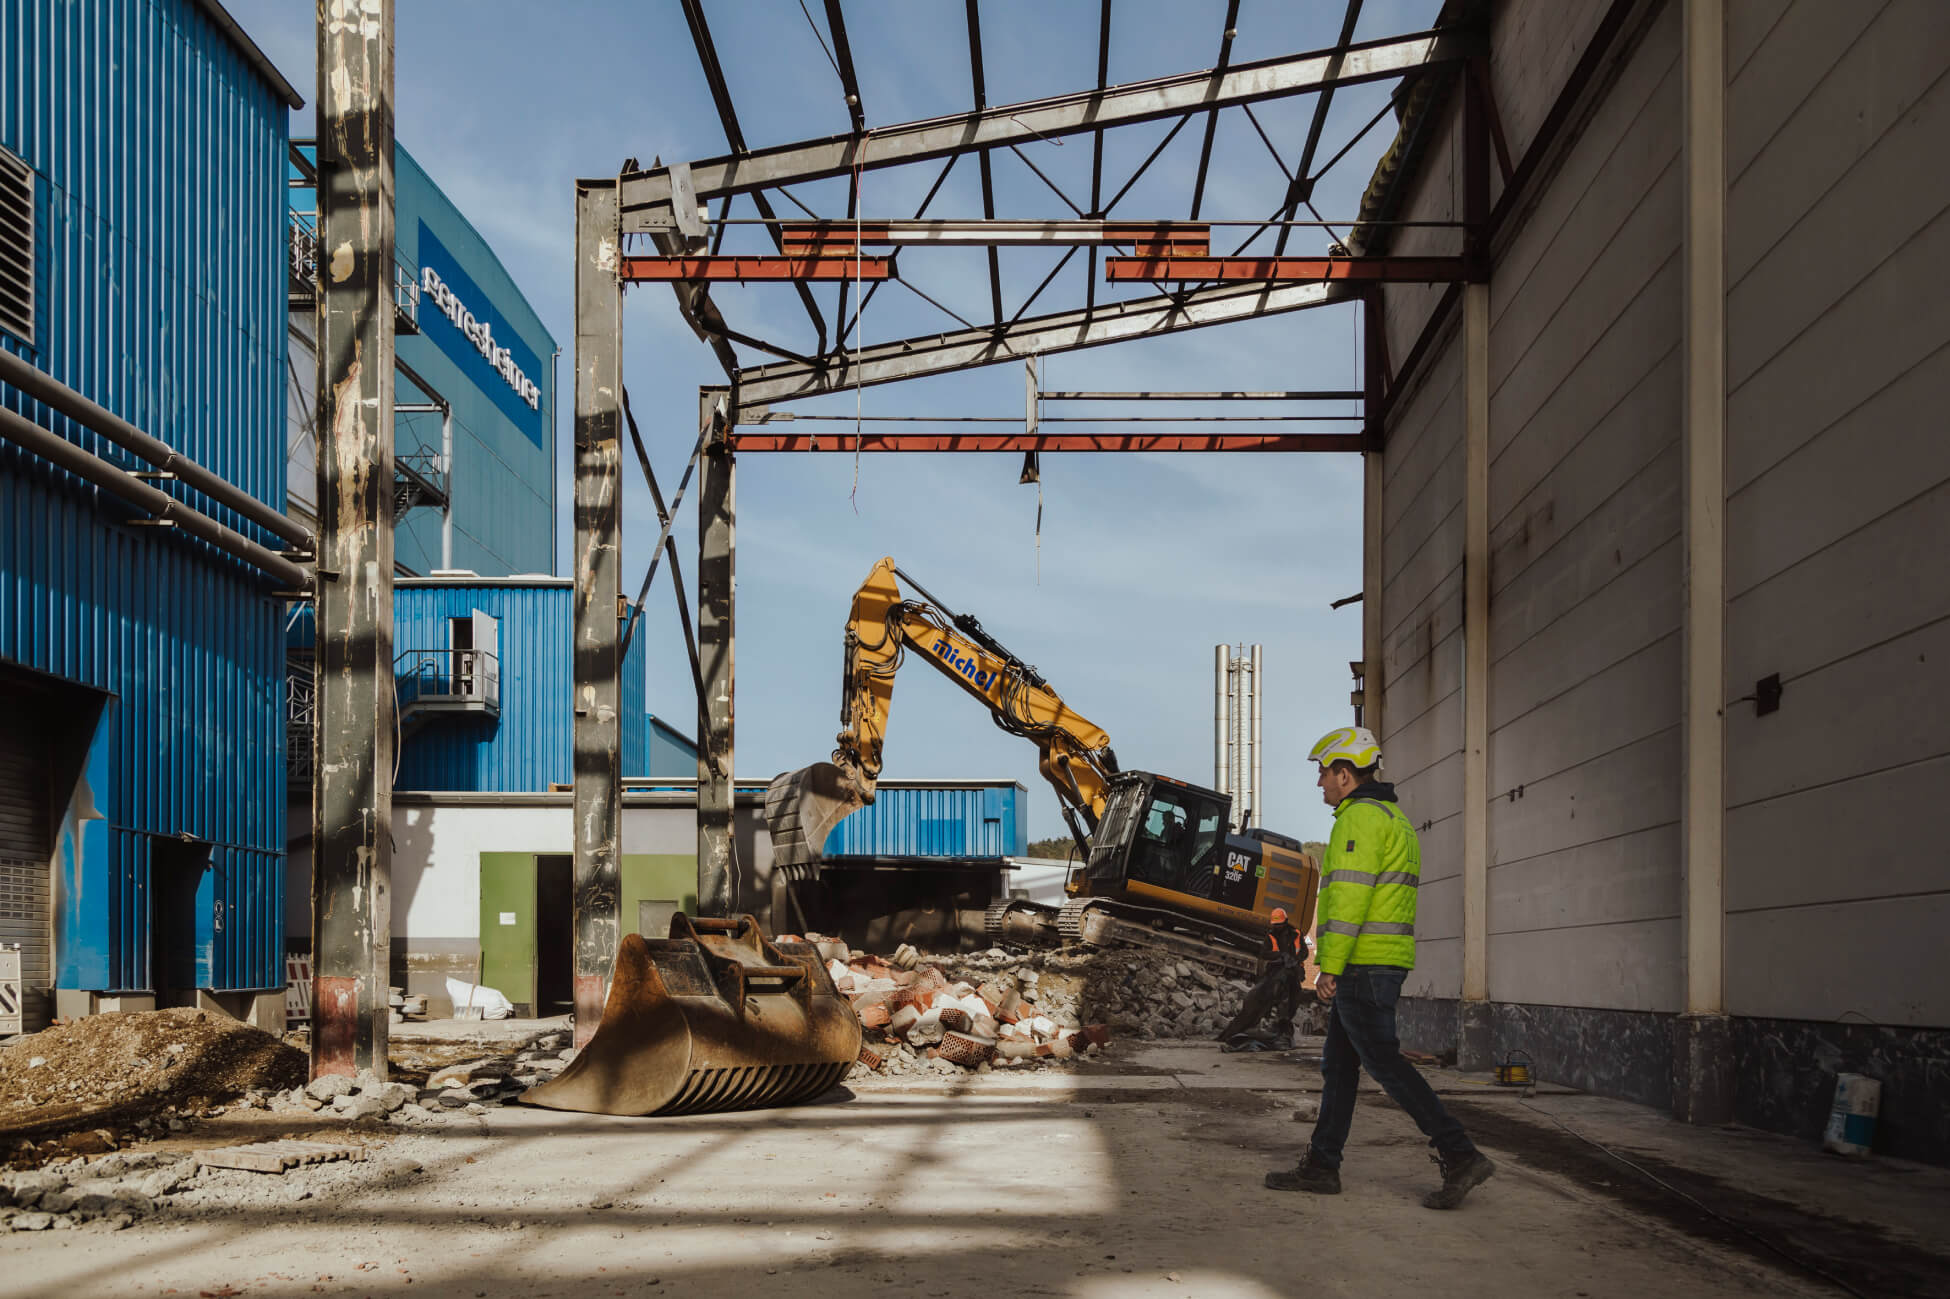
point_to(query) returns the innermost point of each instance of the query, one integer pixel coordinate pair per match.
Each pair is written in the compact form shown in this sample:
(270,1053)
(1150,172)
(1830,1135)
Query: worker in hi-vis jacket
(1366,928)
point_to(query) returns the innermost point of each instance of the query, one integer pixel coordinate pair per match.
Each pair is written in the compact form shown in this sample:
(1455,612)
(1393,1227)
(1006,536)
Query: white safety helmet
(1353,744)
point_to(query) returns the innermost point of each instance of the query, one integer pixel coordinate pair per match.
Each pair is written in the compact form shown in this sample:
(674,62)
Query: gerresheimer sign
(434,289)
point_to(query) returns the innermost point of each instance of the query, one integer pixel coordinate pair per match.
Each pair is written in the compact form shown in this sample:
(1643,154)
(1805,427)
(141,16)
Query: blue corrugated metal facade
(528,747)
(159,153)
(502,480)
(976,819)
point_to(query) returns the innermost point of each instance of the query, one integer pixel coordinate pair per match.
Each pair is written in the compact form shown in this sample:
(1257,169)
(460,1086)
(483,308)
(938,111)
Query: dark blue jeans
(1361,1031)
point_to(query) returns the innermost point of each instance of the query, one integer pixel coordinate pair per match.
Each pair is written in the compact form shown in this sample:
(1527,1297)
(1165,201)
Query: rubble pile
(1001,1009)
(918,1019)
(470,1087)
(1137,993)
(115,1190)
(86,1087)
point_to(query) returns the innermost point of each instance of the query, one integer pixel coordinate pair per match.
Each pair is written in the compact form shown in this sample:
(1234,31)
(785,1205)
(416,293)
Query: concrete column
(1702,1090)
(352,800)
(1473,1052)
(717,510)
(598,727)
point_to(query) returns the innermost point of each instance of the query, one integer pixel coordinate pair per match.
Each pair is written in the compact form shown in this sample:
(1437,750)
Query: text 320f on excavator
(1160,865)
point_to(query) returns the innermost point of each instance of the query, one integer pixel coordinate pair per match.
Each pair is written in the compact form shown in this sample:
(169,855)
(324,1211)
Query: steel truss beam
(1065,331)
(1273,270)
(646,195)
(744,440)
(667,269)
(840,238)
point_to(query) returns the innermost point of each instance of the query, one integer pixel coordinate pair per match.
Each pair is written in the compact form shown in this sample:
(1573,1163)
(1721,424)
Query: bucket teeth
(675,1039)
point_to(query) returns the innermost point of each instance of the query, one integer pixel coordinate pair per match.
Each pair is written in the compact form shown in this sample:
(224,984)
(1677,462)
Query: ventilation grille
(16,247)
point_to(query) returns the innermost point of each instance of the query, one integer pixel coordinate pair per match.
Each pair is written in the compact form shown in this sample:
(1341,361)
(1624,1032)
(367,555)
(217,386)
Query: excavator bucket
(801,809)
(715,1017)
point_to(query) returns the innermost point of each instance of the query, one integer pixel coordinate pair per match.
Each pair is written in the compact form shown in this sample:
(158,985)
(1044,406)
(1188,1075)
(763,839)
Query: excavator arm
(802,806)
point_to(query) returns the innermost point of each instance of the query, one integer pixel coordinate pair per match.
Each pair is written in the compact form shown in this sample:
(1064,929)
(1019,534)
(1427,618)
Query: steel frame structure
(684,210)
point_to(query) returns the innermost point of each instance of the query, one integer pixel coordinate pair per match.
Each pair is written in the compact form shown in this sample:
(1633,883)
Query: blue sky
(1145,563)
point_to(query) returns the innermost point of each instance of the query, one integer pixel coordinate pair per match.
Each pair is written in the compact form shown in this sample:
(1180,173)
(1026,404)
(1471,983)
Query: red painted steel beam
(1414,270)
(640,270)
(751,440)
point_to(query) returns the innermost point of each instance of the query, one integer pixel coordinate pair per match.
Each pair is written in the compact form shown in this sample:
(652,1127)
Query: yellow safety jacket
(1368,884)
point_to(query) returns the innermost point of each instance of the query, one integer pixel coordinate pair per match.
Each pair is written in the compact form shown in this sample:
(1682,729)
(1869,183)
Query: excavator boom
(802,807)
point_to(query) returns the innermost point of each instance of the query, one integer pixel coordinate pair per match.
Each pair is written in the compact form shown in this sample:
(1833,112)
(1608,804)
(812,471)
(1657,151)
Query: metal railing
(301,257)
(425,677)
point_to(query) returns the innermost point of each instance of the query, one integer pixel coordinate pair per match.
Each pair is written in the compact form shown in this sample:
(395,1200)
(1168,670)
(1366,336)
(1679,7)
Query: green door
(508,926)
(657,878)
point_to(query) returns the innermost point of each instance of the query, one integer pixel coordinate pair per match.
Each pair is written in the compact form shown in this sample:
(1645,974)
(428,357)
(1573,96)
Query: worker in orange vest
(1287,961)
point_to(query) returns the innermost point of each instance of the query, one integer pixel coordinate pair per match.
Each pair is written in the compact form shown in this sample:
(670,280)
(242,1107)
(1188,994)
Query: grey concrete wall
(1422,655)
(1584,881)
(1585,563)
(1838,510)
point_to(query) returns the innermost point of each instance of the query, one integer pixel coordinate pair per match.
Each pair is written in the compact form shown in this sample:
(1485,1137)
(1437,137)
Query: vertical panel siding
(159,161)
(1838,476)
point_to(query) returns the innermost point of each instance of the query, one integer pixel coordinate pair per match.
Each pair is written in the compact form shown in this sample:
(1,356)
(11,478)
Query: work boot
(1309,1175)
(1460,1174)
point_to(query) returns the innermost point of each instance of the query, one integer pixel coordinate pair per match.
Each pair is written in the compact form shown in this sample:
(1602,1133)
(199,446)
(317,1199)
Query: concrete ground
(1137,1176)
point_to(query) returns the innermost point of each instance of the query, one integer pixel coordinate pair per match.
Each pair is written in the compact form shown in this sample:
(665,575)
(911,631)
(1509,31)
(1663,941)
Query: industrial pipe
(164,507)
(45,388)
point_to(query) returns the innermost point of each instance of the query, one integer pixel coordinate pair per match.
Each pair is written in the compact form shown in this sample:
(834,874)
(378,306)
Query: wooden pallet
(276,1156)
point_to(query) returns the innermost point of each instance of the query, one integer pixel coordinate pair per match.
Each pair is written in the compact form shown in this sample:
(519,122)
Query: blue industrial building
(672,753)
(485,676)
(142,226)
(475,389)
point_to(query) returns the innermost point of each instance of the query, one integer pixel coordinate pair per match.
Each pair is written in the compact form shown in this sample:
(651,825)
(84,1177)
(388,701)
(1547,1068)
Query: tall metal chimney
(1257,792)
(1221,720)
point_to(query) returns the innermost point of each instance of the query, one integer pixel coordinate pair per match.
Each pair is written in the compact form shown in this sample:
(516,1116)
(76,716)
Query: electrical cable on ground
(1697,1203)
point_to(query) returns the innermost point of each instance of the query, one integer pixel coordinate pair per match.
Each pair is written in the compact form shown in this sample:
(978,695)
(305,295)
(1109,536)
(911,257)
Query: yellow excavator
(1157,862)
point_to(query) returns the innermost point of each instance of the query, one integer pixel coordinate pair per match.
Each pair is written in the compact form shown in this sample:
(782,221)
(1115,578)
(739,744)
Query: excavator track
(1109,924)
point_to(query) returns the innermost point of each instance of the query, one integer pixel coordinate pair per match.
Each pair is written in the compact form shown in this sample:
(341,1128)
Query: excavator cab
(1159,832)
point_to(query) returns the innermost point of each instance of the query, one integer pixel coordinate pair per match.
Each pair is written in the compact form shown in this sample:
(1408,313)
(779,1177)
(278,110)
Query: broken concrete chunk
(329,1087)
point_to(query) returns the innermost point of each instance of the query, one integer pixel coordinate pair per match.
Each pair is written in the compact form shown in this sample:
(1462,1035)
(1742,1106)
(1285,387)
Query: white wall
(437,858)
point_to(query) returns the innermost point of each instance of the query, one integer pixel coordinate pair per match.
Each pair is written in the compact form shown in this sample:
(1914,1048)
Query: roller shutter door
(25,850)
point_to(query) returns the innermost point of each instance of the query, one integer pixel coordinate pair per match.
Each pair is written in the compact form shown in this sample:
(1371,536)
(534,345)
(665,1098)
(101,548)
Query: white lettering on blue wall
(481,335)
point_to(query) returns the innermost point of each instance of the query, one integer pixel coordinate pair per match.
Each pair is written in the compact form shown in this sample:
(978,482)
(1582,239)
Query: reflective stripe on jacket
(1368,884)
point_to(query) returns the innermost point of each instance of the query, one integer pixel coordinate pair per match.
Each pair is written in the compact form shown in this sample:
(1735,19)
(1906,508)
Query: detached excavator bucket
(715,1017)
(801,809)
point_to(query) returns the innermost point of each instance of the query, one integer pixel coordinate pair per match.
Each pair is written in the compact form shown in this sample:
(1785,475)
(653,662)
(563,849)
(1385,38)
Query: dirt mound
(110,1069)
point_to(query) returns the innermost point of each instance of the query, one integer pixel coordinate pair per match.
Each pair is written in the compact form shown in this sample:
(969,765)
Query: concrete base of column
(263,1010)
(1702,1069)
(1475,1052)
